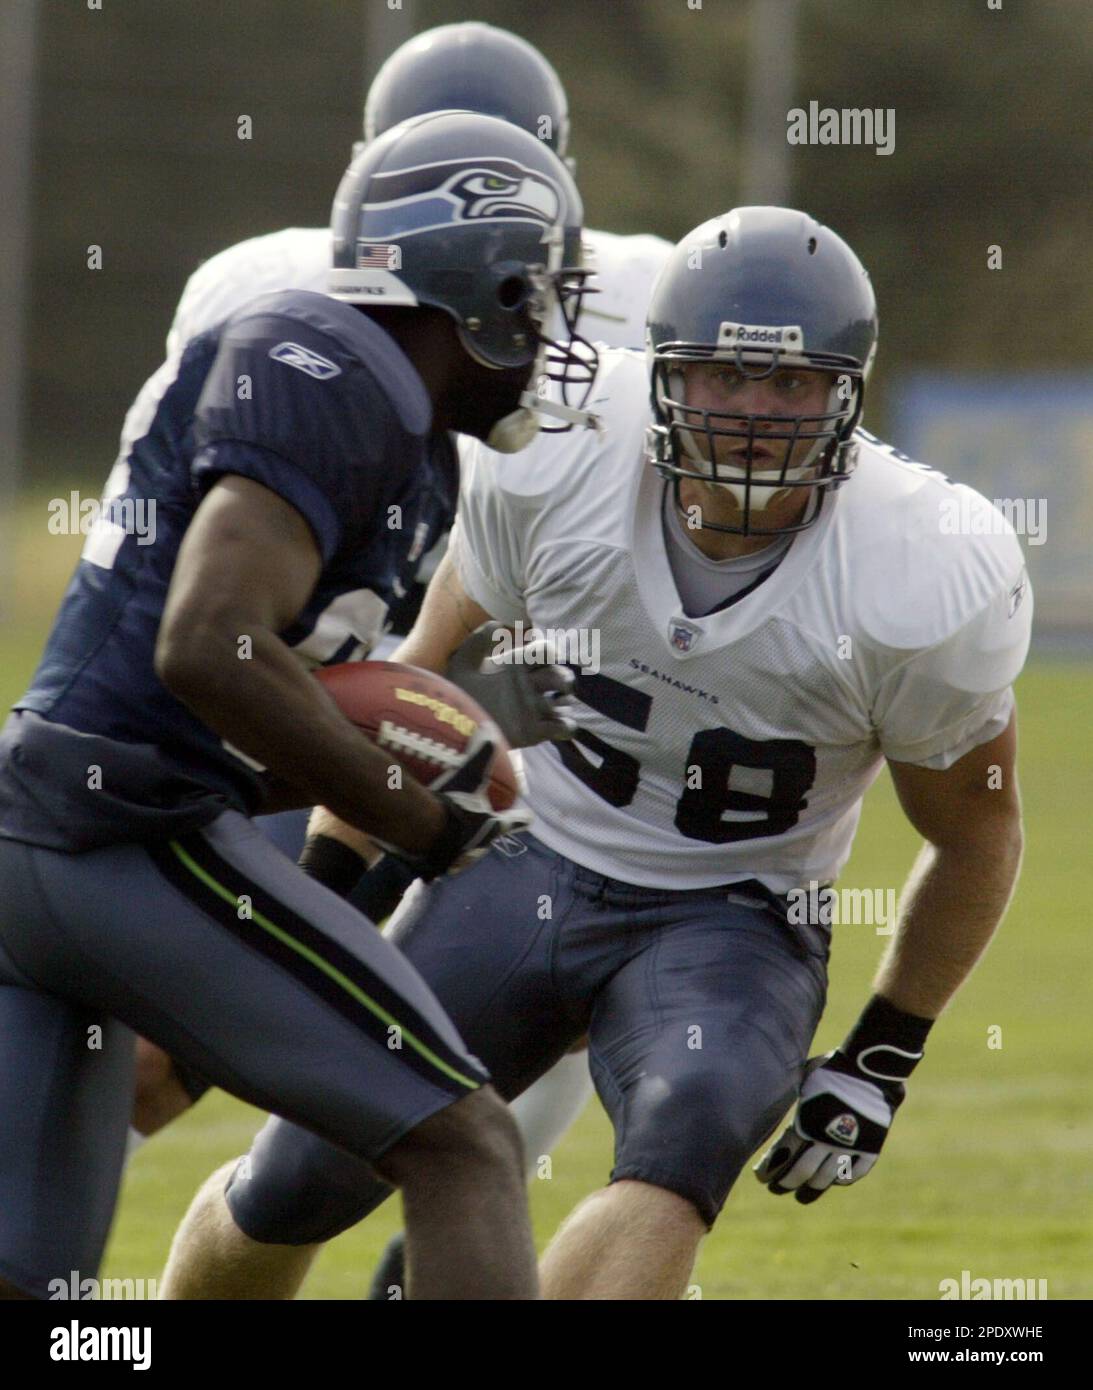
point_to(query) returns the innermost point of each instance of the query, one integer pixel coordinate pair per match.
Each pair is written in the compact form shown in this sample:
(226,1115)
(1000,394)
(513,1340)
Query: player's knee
(481,1127)
(153,1066)
(736,1101)
(652,1208)
(159,1097)
(477,1130)
(695,1137)
(696,1103)
(291,1189)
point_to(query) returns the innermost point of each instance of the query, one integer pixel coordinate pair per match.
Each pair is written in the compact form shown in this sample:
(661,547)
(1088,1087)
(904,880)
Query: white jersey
(739,745)
(298,258)
(626,269)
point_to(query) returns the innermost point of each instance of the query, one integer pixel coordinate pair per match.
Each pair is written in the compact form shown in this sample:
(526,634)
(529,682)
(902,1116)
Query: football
(422,720)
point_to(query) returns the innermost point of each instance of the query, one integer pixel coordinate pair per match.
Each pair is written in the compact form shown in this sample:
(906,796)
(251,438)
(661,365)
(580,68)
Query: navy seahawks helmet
(470,67)
(471,215)
(763,288)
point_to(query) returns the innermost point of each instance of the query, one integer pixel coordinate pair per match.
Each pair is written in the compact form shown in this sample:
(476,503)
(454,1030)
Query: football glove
(847,1102)
(471,824)
(522,690)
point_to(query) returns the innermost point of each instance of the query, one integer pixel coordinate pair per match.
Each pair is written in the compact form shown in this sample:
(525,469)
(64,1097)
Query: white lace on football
(406,741)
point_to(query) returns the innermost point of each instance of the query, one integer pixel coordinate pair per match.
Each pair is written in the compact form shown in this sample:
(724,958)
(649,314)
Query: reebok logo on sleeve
(304,360)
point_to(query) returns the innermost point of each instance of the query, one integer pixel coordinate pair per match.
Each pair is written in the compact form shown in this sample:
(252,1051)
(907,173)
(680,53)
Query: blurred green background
(135,150)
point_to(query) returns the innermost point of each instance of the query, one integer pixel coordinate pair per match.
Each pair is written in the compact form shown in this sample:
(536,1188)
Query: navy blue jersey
(314,401)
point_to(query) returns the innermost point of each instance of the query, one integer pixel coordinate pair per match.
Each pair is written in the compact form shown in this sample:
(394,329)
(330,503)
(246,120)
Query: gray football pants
(221,951)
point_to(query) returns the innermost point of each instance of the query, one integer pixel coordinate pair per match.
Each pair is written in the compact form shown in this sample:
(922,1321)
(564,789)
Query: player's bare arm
(960,886)
(245,569)
(519,686)
(958,890)
(448,617)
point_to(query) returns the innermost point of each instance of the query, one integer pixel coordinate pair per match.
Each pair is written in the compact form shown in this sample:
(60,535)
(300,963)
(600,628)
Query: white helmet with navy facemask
(469,214)
(763,290)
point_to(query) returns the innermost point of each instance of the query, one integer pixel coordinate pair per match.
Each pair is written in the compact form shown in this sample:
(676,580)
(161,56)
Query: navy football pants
(700,1008)
(221,951)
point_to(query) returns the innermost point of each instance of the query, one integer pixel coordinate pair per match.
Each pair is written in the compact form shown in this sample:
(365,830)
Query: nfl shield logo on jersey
(682,635)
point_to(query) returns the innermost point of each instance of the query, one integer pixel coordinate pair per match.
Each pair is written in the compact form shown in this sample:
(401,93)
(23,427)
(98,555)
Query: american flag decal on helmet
(378,255)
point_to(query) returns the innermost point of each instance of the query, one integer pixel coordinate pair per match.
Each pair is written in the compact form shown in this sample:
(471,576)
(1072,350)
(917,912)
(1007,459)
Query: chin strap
(518,428)
(513,431)
(556,410)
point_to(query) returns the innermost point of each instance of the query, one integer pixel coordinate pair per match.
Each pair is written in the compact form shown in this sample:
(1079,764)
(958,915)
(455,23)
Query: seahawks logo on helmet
(410,201)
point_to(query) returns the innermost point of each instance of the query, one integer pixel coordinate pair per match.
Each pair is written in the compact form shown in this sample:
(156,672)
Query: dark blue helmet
(470,67)
(764,289)
(471,215)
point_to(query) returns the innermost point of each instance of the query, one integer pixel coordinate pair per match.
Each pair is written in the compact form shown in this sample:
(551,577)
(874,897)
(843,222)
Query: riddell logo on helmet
(762,335)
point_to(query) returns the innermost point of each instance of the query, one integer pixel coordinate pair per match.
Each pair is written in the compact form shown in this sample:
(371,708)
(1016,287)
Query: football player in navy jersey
(470,66)
(293,469)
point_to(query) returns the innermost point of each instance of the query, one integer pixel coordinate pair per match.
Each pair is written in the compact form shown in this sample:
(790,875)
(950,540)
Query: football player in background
(780,612)
(469,66)
(137,893)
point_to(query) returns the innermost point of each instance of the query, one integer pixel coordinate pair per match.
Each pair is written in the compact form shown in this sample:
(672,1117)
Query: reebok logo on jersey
(304,360)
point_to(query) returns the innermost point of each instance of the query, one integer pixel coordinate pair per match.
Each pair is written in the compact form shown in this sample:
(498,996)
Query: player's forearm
(271,709)
(448,616)
(951,906)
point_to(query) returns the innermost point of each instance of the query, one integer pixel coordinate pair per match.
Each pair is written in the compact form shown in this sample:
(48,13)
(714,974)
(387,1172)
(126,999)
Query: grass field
(988,1167)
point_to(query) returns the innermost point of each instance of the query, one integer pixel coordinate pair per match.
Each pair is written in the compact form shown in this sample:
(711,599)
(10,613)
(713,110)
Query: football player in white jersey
(466,65)
(769,607)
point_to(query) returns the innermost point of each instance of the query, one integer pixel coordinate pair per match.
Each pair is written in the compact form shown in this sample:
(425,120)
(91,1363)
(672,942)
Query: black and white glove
(470,827)
(847,1102)
(471,824)
(522,690)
